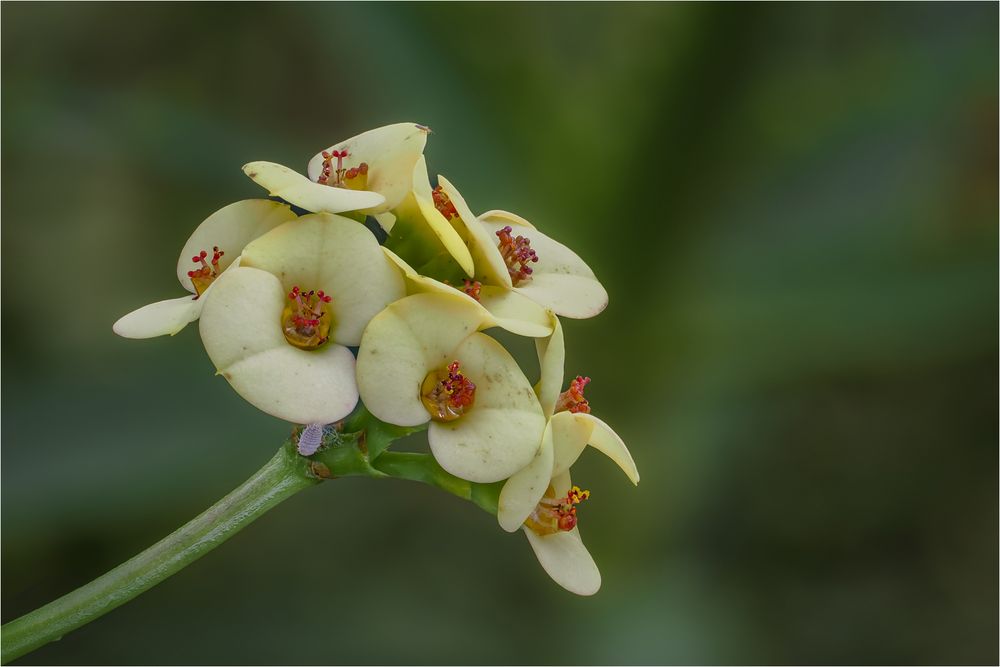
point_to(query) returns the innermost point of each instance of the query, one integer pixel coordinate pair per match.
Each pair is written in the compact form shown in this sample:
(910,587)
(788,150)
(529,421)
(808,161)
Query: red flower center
(306,319)
(203,276)
(447,393)
(517,254)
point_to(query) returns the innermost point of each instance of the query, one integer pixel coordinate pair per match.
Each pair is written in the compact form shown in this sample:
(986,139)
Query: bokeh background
(793,207)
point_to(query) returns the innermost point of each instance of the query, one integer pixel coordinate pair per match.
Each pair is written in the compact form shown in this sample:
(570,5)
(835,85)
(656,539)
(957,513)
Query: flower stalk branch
(423,468)
(282,477)
(287,473)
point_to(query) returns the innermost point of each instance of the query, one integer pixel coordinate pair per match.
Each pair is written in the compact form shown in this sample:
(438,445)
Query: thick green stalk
(282,477)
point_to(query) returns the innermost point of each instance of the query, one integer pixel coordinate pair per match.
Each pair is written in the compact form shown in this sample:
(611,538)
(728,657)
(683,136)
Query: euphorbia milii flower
(422,236)
(370,173)
(540,498)
(423,359)
(277,327)
(213,247)
(511,254)
(553,535)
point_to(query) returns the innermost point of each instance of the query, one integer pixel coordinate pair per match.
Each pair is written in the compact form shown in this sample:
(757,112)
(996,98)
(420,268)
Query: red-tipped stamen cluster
(517,254)
(206,269)
(448,394)
(472,288)
(442,202)
(328,157)
(203,276)
(306,319)
(340,175)
(460,390)
(309,306)
(573,399)
(560,513)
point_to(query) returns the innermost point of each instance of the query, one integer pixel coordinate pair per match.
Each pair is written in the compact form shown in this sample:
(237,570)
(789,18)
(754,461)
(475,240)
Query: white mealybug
(310,439)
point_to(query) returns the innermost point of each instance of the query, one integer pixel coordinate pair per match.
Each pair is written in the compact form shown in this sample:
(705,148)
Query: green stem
(357,449)
(423,468)
(282,477)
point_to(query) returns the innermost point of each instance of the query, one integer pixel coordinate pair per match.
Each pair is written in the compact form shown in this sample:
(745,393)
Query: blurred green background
(793,207)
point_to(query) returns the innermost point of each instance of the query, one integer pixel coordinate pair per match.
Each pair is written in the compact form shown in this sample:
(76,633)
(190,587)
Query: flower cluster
(285,287)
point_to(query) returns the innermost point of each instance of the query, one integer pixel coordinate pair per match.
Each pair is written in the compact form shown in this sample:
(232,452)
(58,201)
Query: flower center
(305,320)
(554,514)
(447,393)
(472,288)
(203,276)
(572,399)
(517,254)
(442,202)
(355,178)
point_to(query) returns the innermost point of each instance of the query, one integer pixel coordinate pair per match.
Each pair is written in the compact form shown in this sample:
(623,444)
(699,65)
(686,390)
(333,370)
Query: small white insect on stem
(310,439)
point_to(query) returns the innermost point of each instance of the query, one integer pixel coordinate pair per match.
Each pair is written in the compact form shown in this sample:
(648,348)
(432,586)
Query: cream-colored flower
(423,359)
(370,173)
(421,236)
(555,538)
(540,498)
(214,247)
(277,327)
(510,253)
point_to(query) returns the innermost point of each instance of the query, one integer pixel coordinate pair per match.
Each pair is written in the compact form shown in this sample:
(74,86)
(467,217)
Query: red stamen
(472,288)
(203,276)
(306,320)
(340,174)
(448,394)
(442,202)
(461,391)
(517,254)
(573,399)
(555,514)
(328,157)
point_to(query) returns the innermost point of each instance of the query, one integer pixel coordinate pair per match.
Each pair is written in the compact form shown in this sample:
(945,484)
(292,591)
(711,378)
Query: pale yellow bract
(508,310)
(230,229)
(424,333)
(390,153)
(426,222)
(561,554)
(241,323)
(560,280)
